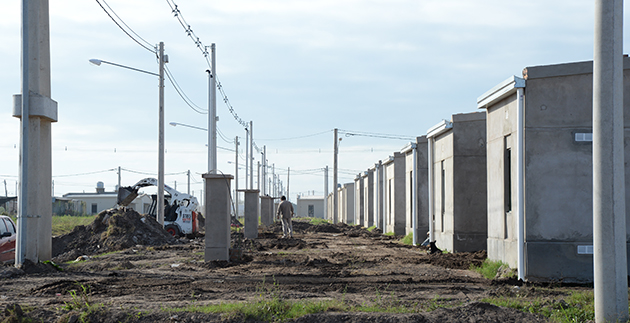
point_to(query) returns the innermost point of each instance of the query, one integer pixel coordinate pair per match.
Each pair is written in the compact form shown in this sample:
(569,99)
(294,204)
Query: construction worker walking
(285,212)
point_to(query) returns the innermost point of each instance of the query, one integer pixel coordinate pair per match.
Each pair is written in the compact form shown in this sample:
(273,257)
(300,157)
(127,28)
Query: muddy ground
(129,266)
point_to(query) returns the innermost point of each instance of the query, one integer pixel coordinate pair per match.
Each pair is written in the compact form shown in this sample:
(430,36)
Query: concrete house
(368,198)
(359,200)
(457,177)
(416,181)
(394,194)
(378,195)
(540,171)
(345,203)
(310,206)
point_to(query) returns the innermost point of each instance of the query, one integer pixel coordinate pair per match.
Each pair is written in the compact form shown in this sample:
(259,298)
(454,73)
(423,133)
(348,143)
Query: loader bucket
(126,195)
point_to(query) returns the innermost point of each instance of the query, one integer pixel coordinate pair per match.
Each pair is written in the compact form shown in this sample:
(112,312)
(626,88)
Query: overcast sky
(297,69)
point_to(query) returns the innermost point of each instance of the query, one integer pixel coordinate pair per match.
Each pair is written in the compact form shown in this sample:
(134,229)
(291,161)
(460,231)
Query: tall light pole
(160,189)
(22,232)
(236,176)
(162,60)
(246,158)
(212,114)
(609,208)
(251,151)
(335,181)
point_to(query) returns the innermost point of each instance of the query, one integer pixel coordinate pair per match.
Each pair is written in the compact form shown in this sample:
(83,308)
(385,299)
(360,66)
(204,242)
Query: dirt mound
(285,244)
(460,260)
(472,312)
(325,227)
(111,230)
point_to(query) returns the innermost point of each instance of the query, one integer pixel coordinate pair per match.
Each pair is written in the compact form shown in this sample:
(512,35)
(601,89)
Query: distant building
(68,206)
(310,206)
(102,200)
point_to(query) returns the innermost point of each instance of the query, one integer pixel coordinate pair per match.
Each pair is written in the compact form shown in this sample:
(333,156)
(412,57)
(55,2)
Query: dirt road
(322,262)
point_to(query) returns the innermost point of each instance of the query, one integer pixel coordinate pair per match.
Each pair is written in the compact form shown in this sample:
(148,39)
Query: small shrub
(489,268)
(317,221)
(408,239)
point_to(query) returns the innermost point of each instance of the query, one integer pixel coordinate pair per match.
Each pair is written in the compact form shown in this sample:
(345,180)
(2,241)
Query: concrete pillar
(609,216)
(266,210)
(35,242)
(251,213)
(217,210)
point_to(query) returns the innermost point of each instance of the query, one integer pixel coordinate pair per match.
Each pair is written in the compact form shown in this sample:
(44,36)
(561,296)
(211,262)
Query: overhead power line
(204,51)
(182,94)
(375,135)
(89,173)
(147,47)
(299,137)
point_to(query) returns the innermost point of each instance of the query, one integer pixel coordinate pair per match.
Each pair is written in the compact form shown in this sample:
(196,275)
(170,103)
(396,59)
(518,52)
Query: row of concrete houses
(514,179)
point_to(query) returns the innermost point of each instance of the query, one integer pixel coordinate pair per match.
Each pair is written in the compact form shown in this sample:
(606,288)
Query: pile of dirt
(471,312)
(325,227)
(111,230)
(284,244)
(460,260)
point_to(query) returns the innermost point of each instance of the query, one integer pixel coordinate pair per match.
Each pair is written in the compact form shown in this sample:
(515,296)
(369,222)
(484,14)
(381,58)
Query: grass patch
(269,306)
(371,228)
(390,234)
(317,221)
(576,307)
(408,239)
(488,269)
(66,223)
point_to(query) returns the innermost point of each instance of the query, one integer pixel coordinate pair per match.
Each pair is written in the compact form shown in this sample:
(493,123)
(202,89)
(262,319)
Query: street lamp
(186,125)
(162,60)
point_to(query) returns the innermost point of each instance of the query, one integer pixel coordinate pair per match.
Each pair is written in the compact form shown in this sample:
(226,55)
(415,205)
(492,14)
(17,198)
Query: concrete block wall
(368,191)
(395,194)
(459,184)
(420,174)
(359,200)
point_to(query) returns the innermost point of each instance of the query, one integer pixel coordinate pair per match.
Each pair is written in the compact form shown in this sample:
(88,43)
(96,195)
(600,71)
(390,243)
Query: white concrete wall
(317,204)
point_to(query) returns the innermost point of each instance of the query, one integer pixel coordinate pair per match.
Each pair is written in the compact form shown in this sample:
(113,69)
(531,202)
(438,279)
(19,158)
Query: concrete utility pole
(264,171)
(335,181)
(117,188)
(236,176)
(609,208)
(326,193)
(247,159)
(288,175)
(212,114)
(251,150)
(188,173)
(160,188)
(36,111)
(258,177)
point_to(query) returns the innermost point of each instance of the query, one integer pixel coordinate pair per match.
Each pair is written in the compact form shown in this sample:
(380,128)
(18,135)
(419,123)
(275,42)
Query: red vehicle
(7,239)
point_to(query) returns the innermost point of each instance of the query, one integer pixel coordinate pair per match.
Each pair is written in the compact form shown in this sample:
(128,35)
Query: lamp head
(96,62)
(173,123)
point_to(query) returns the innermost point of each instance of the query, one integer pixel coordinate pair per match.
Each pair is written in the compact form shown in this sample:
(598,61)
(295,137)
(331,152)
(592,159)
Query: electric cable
(88,173)
(182,94)
(152,50)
